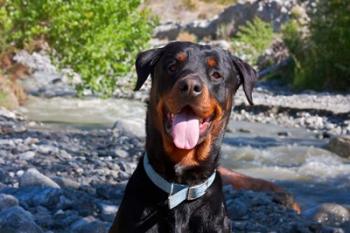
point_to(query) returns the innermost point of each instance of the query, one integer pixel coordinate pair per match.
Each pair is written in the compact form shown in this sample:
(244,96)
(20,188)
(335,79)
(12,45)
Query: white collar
(177,192)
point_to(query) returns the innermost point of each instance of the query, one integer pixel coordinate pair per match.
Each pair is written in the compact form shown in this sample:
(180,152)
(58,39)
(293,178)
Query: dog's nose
(190,87)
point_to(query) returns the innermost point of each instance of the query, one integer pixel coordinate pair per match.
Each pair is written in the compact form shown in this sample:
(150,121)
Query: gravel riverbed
(72,180)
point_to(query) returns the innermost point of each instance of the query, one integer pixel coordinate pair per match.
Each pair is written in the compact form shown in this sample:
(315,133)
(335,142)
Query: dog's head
(191,96)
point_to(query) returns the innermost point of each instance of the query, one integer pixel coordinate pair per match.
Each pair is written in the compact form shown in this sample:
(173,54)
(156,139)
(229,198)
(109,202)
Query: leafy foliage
(253,39)
(322,60)
(5,26)
(225,2)
(97,39)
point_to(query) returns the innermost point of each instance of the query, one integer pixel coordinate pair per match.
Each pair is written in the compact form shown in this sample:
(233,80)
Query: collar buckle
(191,195)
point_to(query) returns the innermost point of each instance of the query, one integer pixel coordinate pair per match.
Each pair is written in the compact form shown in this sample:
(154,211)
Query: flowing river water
(291,157)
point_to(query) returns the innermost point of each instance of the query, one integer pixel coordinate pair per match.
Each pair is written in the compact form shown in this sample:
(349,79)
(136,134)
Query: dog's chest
(195,216)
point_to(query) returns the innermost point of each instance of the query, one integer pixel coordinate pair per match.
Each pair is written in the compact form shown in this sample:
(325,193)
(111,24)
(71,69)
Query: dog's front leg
(240,181)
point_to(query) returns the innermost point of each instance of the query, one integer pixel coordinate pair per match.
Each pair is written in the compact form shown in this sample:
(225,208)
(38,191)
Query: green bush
(253,39)
(293,38)
(97,39)
(5,27)
(322,59)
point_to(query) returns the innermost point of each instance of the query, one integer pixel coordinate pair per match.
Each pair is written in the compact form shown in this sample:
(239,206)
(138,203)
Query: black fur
(144,206)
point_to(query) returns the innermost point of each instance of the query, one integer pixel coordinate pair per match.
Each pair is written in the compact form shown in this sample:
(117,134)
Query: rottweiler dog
(177,186)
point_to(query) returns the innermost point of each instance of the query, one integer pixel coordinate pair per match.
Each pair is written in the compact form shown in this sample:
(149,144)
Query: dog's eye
(172,67)
(216,75)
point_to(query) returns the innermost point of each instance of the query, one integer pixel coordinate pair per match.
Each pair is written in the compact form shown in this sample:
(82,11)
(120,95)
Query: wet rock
(38,196)
(108,211)
(244,130)
(27,155)
(83,203)
(283,134)
(63,219)
(17,220)
(121,153)
(32,177)
(130,127)
(47,197)
(43,217)
(9,114)
(340,145)
(19,173)
(111,192)
(327,229)
(259,212)
(65,203)
(237,209)
(7,201)
(329,214)
(10,122)
(89,225)
(64,155)
(66,182)
(47,149)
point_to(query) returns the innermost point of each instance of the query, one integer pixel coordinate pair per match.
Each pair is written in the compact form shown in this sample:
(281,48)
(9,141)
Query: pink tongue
(185,131)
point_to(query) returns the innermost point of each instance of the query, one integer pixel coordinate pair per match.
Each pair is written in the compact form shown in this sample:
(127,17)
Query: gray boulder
(329,214)
(17,220)
(32,177)
(38,196)
(45,80)
(7,201)
(130,127)
(66,182)
(340,145)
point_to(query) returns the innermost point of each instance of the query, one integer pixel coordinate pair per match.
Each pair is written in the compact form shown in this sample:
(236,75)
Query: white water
(297,162)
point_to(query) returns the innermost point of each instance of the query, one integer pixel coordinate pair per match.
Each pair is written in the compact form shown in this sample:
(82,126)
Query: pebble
(43,217)
(108,212)
(89,225)
(32,177)
(46,149)
(121,153)
(19,173)
(66,182)
(27,155)
(7,201)
(63,219)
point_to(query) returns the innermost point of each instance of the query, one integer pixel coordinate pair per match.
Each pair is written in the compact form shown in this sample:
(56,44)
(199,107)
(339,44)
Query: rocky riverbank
(326,114)
(72,180)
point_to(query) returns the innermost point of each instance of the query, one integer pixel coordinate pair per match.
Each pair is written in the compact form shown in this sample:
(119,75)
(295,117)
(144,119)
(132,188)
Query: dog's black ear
(247,77)
(145,63)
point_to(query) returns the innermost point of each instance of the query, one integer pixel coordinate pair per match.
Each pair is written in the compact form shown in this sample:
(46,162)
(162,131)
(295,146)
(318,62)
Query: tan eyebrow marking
(181,56)
(211,61)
